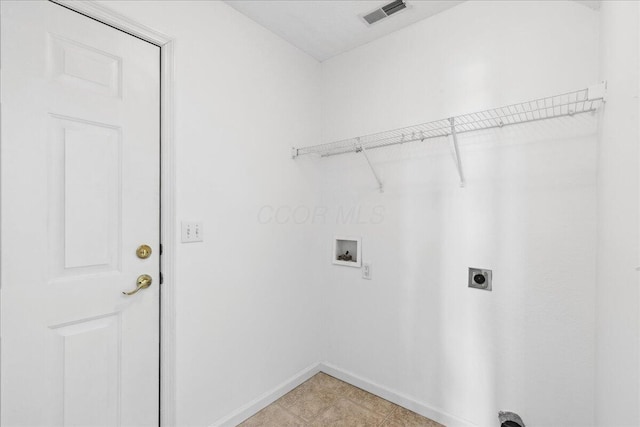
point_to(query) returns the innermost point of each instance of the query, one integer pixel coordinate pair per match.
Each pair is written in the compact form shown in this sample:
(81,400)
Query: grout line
(389,415)
(355,402)
(364,407)
(291,413)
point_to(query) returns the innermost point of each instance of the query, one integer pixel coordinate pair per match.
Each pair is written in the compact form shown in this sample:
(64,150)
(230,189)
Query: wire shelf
(566,104)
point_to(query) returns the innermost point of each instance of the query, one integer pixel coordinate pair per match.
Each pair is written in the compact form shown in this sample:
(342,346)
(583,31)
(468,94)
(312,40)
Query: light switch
(192,231)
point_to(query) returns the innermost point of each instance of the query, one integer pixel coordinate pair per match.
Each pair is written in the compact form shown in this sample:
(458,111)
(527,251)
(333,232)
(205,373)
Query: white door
(79,193)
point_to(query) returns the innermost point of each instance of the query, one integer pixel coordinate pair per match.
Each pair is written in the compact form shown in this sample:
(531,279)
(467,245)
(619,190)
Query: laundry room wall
(618,326)
(247,305)
(259,300)
(528,212)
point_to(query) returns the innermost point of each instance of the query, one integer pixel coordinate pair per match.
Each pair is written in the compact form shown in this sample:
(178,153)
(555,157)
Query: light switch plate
(366,270)
(192,231)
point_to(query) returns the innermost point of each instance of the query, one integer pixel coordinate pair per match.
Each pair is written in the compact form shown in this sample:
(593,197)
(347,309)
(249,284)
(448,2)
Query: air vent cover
(375,16)
(394,7)
(384,11)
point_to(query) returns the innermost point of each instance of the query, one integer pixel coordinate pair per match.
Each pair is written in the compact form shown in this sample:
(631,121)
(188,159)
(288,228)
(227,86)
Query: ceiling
(325,28)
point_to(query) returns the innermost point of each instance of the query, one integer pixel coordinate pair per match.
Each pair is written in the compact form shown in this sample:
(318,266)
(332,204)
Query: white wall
(528,212)
(258,301)
(618,332)
(247,312)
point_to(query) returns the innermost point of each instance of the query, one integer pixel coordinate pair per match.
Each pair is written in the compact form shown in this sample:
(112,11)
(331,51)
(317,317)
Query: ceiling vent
(384,11)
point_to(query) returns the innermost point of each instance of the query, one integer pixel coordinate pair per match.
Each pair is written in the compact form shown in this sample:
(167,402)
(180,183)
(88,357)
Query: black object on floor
(510,419)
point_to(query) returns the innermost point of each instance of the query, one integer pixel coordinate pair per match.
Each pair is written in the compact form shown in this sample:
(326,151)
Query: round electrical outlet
(479,278)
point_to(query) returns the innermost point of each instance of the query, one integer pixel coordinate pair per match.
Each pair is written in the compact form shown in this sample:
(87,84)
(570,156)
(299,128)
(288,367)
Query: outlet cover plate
(366,270)
(480,278)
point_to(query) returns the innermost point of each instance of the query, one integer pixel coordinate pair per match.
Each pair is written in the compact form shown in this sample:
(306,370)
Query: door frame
(167,397)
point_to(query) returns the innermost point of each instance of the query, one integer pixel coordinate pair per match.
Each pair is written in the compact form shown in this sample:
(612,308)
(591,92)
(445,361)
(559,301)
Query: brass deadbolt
(143,251)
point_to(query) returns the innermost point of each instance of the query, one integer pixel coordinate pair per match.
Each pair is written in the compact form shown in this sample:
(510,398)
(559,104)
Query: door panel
(79,164)
(87,352)
(85,172)
(84,67)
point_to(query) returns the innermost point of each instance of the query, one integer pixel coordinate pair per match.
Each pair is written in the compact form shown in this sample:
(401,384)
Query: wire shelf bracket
(564,105)
(456,152)
(373,170)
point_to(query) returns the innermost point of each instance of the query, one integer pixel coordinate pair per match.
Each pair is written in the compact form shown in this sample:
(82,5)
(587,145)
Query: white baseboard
(267,398)
(398,398)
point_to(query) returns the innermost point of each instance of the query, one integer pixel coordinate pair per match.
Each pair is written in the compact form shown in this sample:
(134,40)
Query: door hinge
(161,278)
(160,248)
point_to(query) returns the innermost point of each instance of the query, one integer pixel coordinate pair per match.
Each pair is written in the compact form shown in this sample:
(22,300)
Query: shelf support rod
(359,147)
(456,152)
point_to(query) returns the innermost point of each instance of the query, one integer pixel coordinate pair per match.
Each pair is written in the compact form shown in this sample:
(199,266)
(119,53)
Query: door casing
(167,189)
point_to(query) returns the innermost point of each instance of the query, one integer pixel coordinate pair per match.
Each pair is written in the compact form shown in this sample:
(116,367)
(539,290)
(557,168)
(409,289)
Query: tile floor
(326,401)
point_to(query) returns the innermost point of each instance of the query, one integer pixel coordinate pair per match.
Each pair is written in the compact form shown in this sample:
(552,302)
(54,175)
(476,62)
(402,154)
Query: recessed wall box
(347,251)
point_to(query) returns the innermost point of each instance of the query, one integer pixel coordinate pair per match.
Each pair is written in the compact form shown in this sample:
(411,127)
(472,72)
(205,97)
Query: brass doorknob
(143,251)
(143,282)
